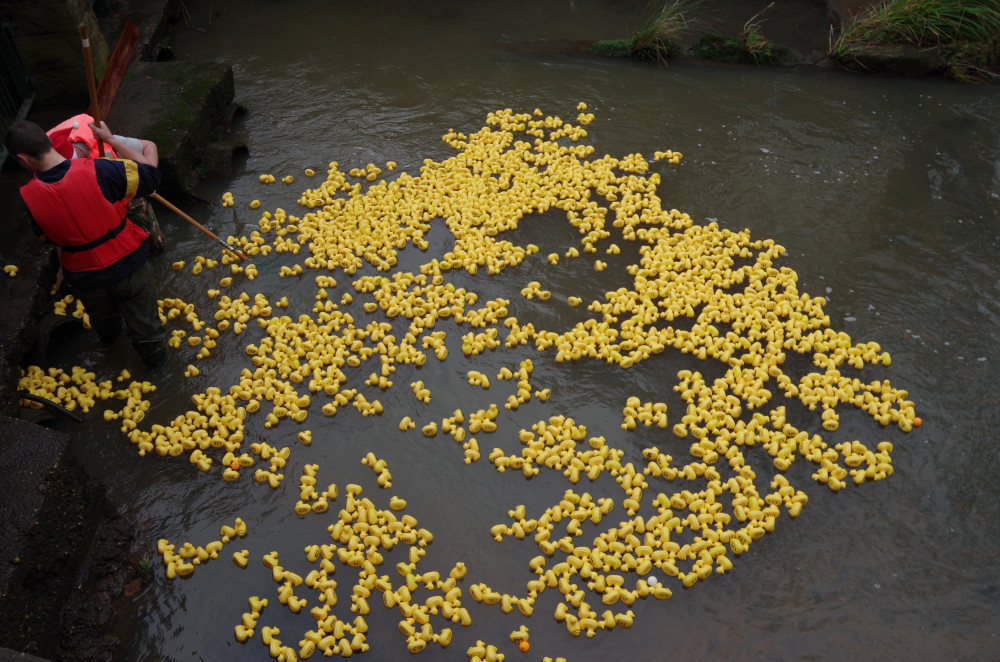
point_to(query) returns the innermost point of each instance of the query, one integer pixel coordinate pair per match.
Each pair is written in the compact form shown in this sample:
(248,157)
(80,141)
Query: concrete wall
(47,36)
(846,11)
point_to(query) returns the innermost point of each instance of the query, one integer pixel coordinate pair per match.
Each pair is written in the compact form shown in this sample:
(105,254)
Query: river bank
(945,38)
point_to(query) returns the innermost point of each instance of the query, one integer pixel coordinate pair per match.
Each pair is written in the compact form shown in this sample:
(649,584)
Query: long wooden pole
(114,72)
(236,252)
(96,113)
(88,63)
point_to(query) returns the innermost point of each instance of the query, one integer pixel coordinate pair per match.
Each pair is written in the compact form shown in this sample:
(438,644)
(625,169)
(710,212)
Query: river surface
(884,192)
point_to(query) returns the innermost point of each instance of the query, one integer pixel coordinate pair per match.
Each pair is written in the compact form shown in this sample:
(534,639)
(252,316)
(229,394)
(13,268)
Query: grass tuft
(662,23)
(966,32)
(756,44)
(611,48)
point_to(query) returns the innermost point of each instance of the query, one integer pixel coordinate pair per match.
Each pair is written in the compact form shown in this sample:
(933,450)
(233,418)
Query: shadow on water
(884,192)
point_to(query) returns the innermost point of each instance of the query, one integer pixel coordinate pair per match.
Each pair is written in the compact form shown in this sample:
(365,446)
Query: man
(80,206)
(74,139)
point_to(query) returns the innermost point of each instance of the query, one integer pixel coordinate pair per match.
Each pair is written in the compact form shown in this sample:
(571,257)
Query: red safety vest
(73,213)
(77,130)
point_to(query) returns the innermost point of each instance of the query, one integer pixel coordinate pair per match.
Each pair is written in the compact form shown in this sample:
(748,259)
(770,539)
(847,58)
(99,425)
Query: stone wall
(845,11)
(47,35)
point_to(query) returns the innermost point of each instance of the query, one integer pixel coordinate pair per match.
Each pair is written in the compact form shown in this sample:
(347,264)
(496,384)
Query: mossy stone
(181,106)
(721,47)
(611,48)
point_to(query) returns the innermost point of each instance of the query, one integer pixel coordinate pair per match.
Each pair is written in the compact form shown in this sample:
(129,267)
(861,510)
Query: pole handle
(159,198)
(88,63)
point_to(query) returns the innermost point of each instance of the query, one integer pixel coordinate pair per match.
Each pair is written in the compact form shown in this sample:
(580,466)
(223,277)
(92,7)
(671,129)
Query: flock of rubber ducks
(80,390)
(360,535)
(701,290)
(381,469)
(601,567)
(182,562)
(62,307)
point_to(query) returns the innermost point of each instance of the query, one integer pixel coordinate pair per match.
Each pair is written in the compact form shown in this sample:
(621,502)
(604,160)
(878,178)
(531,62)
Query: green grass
(662,23)
(966,32)
(611,48)
(757,45)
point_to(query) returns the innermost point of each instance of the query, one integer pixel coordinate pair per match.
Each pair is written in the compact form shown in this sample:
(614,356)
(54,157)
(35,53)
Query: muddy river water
(885,194)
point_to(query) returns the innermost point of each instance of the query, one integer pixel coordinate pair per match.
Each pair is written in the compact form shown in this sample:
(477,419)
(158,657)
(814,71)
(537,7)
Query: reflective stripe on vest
(131,178)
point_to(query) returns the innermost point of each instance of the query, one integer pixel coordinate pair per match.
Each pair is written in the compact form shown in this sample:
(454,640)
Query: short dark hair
(26,137)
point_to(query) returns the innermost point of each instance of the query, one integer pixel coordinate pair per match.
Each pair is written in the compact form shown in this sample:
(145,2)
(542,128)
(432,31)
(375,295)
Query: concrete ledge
(31,453)
(48,39)
(66,556)
(900,60)
(25,296)
(7,655)
(153,18)
(185,108)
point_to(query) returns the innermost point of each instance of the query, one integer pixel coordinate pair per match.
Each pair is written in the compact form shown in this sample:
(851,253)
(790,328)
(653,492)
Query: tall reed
(967,32)
(927,22)
(662,23)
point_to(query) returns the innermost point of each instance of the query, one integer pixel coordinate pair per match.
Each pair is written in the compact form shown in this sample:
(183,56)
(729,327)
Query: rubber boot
(153,354)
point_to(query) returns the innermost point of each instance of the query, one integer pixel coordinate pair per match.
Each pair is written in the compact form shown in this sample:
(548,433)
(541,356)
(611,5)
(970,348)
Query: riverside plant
(966,32)
(662,23)
(757,45)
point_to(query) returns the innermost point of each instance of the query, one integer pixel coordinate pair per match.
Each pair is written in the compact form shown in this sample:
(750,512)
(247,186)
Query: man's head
(27,142)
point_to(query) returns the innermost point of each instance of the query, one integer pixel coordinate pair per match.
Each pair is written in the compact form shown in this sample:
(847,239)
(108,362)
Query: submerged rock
(901,60)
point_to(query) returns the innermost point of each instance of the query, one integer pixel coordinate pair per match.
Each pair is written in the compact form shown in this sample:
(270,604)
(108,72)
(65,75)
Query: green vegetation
(966,33)
(662,23)
(756,44)
(751,48)
(720,47)
(611,48)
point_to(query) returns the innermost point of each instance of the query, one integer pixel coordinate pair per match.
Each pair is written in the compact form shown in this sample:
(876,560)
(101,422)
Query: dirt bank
(72,568)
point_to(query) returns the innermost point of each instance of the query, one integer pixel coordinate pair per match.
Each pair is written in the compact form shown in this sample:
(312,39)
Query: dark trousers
(130,300)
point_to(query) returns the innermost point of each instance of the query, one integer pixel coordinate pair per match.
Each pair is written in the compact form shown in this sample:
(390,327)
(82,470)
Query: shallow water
(884,192)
